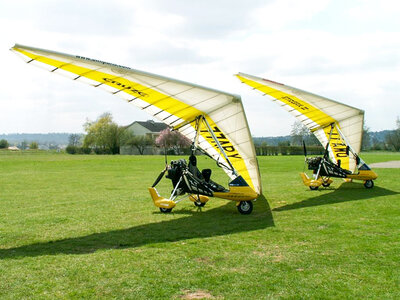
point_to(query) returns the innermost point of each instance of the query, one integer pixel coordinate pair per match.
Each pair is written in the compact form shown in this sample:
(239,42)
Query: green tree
(34,145)
(102,135)
(284,144)
(71,149)
(3,144)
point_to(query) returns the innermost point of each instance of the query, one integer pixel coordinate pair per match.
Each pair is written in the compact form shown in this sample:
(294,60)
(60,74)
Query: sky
(346,50)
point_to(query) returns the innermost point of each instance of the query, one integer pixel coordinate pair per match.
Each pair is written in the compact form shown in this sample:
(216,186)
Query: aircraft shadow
(198,224)
(346,192)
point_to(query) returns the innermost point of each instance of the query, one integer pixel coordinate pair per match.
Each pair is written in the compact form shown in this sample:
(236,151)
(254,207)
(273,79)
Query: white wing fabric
(318,114)
(171,101)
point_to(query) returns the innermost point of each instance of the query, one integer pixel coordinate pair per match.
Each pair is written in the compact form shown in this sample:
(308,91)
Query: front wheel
(313,188)
(369,184)
(326,184)
(245,207)
(199,204)
(165,210)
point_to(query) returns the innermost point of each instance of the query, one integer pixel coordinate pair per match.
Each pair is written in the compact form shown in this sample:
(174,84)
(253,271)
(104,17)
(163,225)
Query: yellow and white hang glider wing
(320,115)
(176,103)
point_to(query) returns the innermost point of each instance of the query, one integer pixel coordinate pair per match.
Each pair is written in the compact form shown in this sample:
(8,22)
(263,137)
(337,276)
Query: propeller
(304,149)
(163,171)
(159,177)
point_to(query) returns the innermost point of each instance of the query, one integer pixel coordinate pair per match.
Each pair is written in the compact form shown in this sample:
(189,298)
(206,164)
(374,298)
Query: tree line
(23,145)
(104,136)
(391,141)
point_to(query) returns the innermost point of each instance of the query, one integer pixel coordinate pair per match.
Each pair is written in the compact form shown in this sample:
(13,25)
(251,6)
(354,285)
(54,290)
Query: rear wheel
(165,210)
(245,207)
(326,184)
(369,184)
(313,188)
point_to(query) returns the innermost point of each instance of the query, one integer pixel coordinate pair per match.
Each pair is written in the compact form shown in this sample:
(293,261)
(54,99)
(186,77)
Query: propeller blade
(305,149)
(159,177)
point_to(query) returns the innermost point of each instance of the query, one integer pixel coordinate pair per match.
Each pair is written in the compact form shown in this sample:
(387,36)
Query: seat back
(206,174)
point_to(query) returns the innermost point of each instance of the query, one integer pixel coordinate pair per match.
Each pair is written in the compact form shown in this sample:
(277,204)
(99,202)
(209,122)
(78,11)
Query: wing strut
(326,151)
(201,119)
(234,172)
(357,158)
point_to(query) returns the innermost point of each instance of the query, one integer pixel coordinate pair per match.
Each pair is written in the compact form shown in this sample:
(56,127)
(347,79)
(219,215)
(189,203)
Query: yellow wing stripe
(164,102)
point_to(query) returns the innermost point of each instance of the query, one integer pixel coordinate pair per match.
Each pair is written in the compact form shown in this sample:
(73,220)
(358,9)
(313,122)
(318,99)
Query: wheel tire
(165,210)
(245,207)
(199,204)
(313,188)
(369,184)
(326,184)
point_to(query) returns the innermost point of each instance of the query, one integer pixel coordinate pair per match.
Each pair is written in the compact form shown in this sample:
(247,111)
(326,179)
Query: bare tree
(366,138)
(74,139)
(140,142)
(23,145)
(300,133)
(393,138)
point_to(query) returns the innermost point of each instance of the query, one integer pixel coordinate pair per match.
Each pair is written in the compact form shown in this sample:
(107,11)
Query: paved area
(387,164)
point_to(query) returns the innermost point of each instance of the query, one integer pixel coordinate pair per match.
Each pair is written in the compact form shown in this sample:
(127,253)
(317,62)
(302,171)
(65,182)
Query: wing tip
(13,48)
(255,77)
(274,82)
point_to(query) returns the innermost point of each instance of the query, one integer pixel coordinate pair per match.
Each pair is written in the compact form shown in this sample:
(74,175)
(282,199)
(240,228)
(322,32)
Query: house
(13,148)
(148,128)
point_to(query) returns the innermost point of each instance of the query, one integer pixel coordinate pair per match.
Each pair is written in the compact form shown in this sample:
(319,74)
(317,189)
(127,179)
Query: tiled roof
(151,125)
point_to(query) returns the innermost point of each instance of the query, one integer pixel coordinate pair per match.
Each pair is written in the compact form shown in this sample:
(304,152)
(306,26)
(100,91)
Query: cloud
(375,15)
(208,19)
(347,51)
(72,17)
(277,15)
(165,53)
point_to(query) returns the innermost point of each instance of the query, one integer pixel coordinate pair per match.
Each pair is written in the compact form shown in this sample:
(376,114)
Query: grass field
(85,227)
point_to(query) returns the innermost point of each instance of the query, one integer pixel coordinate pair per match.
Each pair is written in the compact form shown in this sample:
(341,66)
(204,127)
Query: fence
(260,150)
(288,150)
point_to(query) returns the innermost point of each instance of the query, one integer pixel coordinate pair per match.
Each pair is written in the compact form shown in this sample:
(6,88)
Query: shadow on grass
(199,224)
(346,192)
